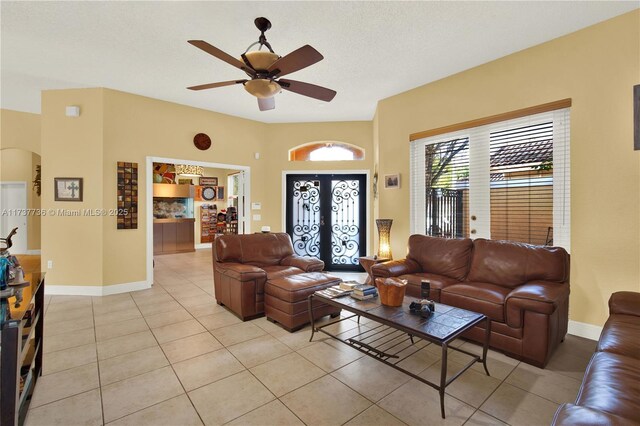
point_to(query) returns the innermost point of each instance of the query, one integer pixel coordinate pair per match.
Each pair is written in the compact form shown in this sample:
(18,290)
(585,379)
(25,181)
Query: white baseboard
(203,246)
(582,329)
(94,290)
(33,252)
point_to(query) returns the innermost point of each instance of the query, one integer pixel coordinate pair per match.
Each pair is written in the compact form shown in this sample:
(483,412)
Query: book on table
(364,297)
(364,290)
(333,292)
(349,285)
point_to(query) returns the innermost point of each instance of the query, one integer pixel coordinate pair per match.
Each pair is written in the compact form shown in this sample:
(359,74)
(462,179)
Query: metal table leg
(443,377)
(311,319)
(485,347)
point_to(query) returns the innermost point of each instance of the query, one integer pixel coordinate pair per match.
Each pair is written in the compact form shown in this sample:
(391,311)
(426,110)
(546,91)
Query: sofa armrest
(570,414)
(395,268)
(240,271)
(540,297)
(625,302)
(307,264)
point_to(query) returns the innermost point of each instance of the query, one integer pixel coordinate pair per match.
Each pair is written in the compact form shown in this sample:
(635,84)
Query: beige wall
(19,165)
(283,137)
(597,67)
(19,130)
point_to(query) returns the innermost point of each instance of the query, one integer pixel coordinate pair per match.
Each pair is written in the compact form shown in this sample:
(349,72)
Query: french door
(326,218)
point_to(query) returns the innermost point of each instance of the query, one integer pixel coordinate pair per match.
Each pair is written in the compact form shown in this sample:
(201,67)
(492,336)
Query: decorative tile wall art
(127,195)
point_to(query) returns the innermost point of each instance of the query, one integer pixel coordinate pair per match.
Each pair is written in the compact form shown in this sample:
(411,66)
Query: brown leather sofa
(243,263)
(523,289)
(610,391)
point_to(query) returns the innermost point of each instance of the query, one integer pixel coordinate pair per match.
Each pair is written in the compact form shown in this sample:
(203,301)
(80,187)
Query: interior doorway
(198,208)
(13,200)
(326,217)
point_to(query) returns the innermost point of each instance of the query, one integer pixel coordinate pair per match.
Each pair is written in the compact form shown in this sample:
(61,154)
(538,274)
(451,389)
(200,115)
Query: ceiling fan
(265,69)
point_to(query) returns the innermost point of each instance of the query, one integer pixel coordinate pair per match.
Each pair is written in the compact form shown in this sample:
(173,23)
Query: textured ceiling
(372,50)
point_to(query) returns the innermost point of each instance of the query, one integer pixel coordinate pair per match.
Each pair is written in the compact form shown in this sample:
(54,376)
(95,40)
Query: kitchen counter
(174,220)
(173,235)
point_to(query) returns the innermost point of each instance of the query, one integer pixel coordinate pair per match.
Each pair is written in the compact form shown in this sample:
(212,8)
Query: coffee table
(392,339)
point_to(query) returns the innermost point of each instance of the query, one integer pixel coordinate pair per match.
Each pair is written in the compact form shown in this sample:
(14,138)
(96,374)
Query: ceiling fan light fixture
(262,88)
(261,60)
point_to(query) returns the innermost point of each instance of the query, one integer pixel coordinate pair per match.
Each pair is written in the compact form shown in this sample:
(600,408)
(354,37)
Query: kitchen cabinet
(173,236)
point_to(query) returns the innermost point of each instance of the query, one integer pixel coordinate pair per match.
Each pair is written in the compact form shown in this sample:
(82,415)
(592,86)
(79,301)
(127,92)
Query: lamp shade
(384,238)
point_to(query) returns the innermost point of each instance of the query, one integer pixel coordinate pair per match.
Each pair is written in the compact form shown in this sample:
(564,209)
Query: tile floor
(171,356)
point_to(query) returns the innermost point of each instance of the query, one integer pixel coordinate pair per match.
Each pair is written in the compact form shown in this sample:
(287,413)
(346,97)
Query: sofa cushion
(621,335)
(485,298)
(437,282)
(612,384)
(253,249)
(295,288)
(442,256)
(511,264)
(574,415)
(278,271)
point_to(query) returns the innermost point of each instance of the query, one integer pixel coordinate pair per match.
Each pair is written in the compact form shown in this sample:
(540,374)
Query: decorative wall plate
(202,141)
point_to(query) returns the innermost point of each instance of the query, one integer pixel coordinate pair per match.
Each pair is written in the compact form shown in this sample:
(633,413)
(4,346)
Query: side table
(367,262)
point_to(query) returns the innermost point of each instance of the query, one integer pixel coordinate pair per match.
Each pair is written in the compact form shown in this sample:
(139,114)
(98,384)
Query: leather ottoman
(286,299)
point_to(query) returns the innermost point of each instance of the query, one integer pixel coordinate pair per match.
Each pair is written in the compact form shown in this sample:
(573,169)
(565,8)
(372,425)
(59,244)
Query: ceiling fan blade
(214,85)
(265,104)
(212,50)
(306,89)
(295,61)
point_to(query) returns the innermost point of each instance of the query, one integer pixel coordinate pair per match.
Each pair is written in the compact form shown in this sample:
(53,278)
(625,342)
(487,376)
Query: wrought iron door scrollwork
(306,218)
(345,222)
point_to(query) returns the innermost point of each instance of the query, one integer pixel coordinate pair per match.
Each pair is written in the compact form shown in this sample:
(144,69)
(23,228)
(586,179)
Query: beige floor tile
(176,411)
(63,384)
(84,312)
(68,303)
(414,402)
(190,291)
(325,401)
(483,419)
(371,378)
(237,333)
(128,396)
(257,351)
(419,361)
(328,357)
(111,331)
(118,316)
(125,344)
(284,374)
(152,299)
(114,308)
(572,357)
(300,339)
(499,364)
(110,299)
(82,409)
(517,407)
(547,384)
(229,398)
(197,301)
(189,347)
(221,319)
(68,326)
(471,387)
(156,308)
(69,340)
(204,310)
(374,416)
(207,368)
(156,289)
(166,318)
(271,328)
(274,413)
(131,364)
(177,331)
(69,358)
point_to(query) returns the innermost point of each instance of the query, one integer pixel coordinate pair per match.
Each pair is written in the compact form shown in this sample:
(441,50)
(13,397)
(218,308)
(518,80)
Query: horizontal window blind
(513,177)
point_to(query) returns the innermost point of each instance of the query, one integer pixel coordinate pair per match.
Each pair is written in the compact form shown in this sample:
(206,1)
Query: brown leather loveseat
(610,391)
(243,263)
(523,289)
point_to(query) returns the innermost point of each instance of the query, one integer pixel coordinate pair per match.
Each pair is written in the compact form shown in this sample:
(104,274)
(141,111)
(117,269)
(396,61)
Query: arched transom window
(326,151)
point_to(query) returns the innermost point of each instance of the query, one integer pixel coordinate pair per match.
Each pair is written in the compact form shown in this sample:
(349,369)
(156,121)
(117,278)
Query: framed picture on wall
(67,189)
(209,181)
(392,181)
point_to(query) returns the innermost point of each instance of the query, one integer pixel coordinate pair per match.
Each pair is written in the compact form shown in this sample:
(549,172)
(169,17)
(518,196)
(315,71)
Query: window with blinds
(447,188)
(521,191)
(505,181)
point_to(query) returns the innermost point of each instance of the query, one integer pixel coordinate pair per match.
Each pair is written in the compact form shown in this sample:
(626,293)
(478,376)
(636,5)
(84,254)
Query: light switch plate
(257,217)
